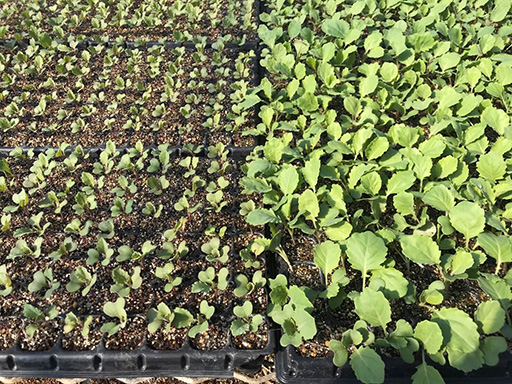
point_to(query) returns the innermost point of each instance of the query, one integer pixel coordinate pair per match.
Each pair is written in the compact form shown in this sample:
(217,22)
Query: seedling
(34,226)
(5,282)
(126,253)
(38,317)
(81,279)
(44,280)
(166,273)
(115,310)
(22,249)
(102,250)
(151,210)
(213,251)
(206,312)
(246,321)
(65,249)
(72,322)
(245,287)
(207,282)
(125,282)
(164,317)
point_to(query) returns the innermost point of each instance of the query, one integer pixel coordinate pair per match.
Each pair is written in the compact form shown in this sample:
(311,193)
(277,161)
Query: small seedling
(245,321)
(115,310)
(207,282)
(245,287)
(5,282)
(81,278)
(166,273)
(124,282)
(38,317)
(72,322)
(206,312)
(213,251)
(44,280)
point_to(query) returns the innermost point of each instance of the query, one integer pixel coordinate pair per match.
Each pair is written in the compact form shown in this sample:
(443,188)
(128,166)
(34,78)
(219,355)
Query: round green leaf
(468,218)
(490,317)
(327,256)
(367,365)
(420,249)
(366,251)
(430,335)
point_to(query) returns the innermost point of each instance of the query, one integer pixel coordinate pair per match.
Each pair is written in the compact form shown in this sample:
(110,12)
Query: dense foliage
(388,143)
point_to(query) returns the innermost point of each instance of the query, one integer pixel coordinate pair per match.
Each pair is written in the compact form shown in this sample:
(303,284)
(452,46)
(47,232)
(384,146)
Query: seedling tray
(142,362)
(294,369)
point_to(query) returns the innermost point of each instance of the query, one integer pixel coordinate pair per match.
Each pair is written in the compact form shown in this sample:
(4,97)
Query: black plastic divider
(142,362)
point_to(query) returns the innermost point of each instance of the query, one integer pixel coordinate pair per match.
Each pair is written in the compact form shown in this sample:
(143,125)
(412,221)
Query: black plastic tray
(292,368)
(142,362)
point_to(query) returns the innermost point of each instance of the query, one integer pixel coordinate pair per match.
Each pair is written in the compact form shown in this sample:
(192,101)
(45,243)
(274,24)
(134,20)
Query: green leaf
(368,85)
(288,180)
(239,327)
(395,284)
(377,148)
(366,251)
(449,60)
(261,216)
(340,353)
(430,335)
(426,374)
(500,10)
(367,365)
(371,183)
(311,171)
(461,261)
(309,202)
(326,73)
(422,41)
(491,348)
(116,309)
(373,307)
(468,218)
(448,97)
(490,317)
(335,28)
(497,288)
(389,72)
(327,256)
(495,118)
(498,247)
(459,331)
(273,149)
(308,102)
(491,166)
(404,203)
(420,249)
(400,182)
(440,198)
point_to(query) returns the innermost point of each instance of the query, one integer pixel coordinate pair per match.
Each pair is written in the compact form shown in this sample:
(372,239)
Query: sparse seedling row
(128,20)
(179,96)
